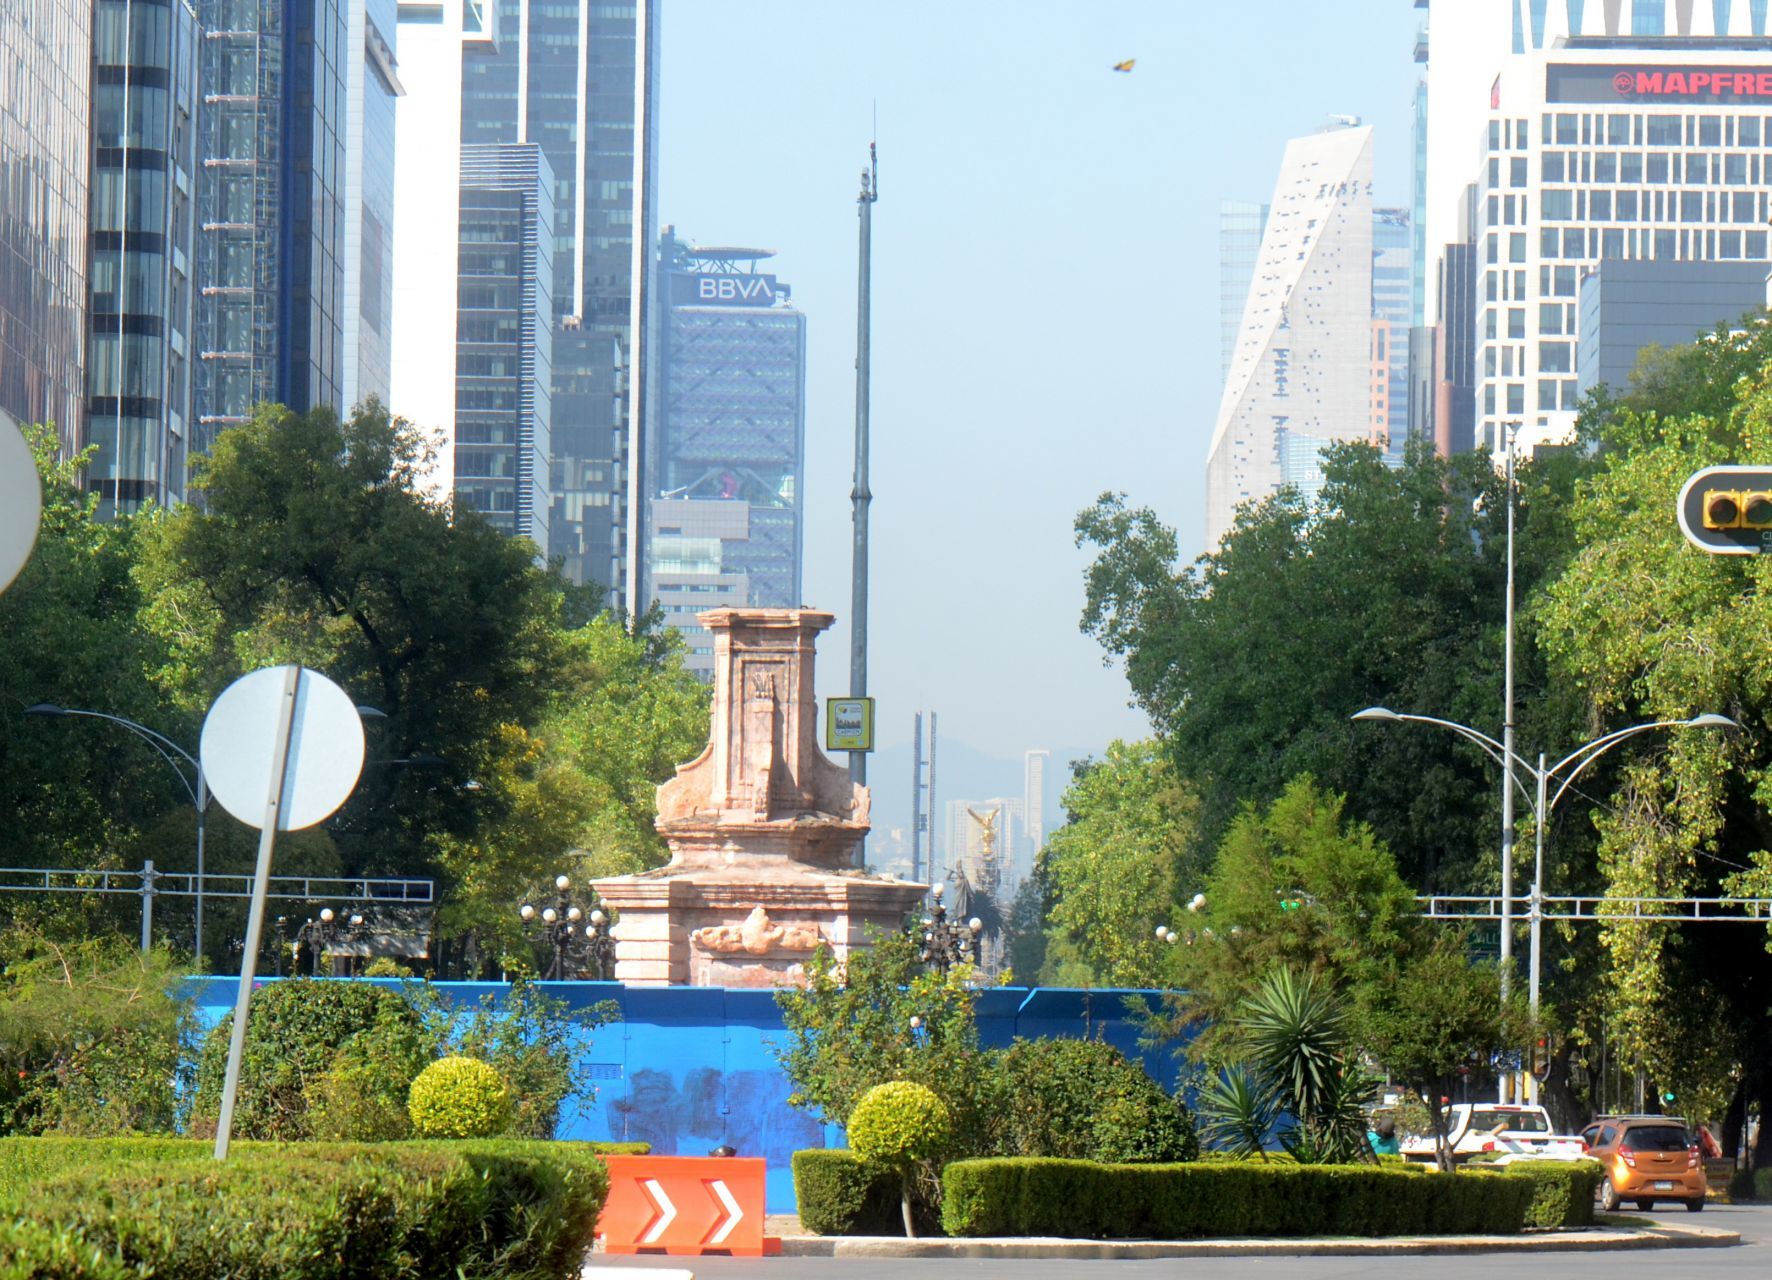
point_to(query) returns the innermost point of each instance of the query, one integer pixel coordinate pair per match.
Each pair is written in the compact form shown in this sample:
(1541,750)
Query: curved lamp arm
(1494,749)
(159,741)
(1583,756)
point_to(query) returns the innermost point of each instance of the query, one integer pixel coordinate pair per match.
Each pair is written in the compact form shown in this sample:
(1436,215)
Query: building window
(1516,322)
(1567,130)
(1550,317)
(1516,397)
(1516,246)
(1662,131)
(1550,166)
(1556,205)
(1747,133)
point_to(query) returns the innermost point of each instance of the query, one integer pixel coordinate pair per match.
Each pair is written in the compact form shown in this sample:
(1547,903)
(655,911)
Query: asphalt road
(1752,1258)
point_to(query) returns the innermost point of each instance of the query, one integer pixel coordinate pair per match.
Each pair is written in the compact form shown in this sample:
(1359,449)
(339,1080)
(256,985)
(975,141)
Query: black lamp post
(579,940)
(946,942)
(320,932)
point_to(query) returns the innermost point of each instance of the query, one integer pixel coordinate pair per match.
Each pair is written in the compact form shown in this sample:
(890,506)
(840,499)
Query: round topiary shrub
(459,1098)
(897,1124)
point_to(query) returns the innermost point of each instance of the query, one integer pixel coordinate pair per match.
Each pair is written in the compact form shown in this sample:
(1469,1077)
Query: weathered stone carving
(758,935)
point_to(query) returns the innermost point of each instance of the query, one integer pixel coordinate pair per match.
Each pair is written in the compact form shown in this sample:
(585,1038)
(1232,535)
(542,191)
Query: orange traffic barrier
(684,1205)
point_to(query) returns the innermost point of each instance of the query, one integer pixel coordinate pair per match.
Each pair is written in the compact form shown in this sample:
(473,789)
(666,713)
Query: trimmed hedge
(1562,1190)
(100,1210)
(1035,1197)
(837,1193)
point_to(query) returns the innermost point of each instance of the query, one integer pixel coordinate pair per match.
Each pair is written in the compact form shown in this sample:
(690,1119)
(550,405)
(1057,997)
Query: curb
(1587,1241)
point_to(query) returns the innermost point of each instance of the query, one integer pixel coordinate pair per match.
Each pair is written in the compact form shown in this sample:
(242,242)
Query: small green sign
(849,724)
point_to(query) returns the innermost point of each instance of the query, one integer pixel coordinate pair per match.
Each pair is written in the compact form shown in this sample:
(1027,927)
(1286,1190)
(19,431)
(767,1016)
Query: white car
(1486,1128)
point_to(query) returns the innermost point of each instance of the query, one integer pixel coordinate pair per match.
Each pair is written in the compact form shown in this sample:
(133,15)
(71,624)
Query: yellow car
(1646,1159)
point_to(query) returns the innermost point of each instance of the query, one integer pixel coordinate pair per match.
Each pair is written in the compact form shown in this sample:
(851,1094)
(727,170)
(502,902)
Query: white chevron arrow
(735,1214)
(667,1212)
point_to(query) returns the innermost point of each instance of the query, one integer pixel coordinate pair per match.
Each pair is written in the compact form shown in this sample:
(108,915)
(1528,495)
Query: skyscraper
(1299,377)
(504,338)
(1644,141)
(45,79)
(1393,301)
(729,440)
(563,75)
(270,268)
(138,410)
(372,86)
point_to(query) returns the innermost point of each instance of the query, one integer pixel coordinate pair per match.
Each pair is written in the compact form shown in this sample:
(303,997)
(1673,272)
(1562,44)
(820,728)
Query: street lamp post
(576,946)
(197,788)
(947,942)
(1543,804)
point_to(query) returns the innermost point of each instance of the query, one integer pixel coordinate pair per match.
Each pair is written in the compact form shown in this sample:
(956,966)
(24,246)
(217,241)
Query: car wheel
(1695,1206)
(1643,1206)
(1609,1200)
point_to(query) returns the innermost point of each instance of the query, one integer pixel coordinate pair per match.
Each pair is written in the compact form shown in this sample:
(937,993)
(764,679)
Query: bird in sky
(1126,65)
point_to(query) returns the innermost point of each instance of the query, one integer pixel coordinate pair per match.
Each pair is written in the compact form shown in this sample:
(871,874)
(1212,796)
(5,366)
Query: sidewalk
(1593,1239)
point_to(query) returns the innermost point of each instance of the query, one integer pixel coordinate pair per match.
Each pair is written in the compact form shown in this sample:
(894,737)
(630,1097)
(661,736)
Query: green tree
(78,793)
(577,793)
(1647,627)
(315,542)
(1387,588)
(881,1016)
(1295,886)
(1437,1015)
(1115,869)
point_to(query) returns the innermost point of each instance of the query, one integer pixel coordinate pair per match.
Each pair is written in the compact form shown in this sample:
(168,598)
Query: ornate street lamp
(322,931)
(948,942)
(580,940)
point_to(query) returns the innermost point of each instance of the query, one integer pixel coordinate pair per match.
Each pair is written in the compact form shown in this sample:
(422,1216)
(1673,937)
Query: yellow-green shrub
(459,1098)
(898,1123)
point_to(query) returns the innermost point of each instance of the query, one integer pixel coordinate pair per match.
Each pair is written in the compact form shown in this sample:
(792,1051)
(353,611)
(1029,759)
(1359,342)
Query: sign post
(290,778)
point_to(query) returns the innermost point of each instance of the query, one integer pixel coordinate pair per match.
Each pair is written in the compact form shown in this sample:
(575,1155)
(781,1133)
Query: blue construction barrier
(688,1069)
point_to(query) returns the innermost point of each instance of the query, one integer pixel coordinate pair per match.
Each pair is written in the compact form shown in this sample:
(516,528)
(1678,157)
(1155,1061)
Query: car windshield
(1485,1121)
(1657,1137)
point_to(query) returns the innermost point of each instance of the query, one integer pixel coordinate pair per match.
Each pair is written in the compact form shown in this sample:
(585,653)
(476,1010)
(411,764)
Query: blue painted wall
(690,1068)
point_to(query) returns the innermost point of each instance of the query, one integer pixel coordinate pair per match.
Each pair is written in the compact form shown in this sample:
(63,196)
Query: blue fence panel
(688,1069)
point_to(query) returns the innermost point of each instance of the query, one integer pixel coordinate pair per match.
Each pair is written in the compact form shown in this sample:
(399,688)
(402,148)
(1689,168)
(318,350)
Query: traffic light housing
(1737,509)
(1728,510)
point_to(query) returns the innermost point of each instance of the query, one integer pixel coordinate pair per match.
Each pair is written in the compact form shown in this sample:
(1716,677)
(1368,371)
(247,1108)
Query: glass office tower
(270,269)
(728,448)
(144,171)
(45,80)
(504,342)
(562,75)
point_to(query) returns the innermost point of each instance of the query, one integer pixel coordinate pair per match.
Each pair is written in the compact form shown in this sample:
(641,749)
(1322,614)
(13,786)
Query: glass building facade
(504,342)
(372,86)
(727,465)
(270,265)
(562,75)
(142,245)
(45,81)
(1614,157)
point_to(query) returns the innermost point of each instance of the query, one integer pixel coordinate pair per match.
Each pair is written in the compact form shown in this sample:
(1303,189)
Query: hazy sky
(1046,321)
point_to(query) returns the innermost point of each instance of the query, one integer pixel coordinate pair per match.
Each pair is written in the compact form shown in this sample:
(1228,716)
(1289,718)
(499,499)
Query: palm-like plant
(1237,1112)
(1296,1029)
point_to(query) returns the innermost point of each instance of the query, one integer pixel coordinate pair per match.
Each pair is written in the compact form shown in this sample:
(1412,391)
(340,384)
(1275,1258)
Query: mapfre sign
(1592,83)
(696,289)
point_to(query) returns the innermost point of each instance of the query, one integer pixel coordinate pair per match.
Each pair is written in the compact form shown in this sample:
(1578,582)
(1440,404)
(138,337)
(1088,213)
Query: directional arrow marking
(667,1212)
(734,1214)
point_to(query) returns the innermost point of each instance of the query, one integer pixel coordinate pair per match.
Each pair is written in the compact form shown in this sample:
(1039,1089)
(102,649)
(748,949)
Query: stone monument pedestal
(762,829)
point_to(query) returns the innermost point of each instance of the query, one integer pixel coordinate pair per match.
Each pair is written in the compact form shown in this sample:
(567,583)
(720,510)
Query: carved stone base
(745,926)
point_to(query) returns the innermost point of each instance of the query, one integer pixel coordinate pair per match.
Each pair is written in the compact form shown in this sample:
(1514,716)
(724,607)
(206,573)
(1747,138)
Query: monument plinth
(762,830)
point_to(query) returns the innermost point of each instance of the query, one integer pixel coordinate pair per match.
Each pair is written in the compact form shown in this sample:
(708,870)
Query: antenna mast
(860,495)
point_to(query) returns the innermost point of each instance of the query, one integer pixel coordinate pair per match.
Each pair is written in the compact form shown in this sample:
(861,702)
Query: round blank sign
(21,503)
(325,748)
